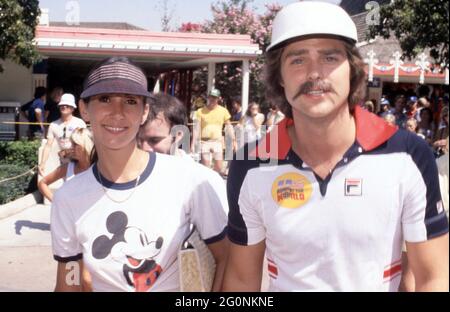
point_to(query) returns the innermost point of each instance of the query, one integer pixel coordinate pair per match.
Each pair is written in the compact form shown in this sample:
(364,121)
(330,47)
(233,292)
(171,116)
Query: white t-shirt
(250,132)
(56,129)
(133,246)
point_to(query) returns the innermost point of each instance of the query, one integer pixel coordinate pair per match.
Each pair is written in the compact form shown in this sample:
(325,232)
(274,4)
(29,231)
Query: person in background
(36,113)
(61,130)
(426,125)
(251,123)
(210,122)
(369,106)
(80,160)
(399,111)
(411,125)
(274,116)
(237,110)
(390,119)
(440,139)
(52,111)
(385,108)
(155,135)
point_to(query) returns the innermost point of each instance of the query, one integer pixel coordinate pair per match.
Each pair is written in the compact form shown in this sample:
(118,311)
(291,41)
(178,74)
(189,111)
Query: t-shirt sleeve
(423,216)
(65,245)
(245,223)
(209,206)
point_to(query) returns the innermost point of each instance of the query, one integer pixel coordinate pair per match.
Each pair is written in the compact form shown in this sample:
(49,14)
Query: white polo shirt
(133,245)
(343,233)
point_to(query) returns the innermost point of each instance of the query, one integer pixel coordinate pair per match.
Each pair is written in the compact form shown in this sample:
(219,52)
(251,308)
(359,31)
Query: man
(51,106)
(385,108)
(237,110)
(35,113)
(211,120)
(332,213)
(155,135)
(61,130)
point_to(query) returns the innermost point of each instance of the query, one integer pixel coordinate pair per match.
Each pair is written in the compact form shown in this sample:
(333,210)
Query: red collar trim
(371,132)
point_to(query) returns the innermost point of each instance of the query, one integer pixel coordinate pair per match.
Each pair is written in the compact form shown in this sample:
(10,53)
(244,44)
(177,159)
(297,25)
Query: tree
(18,21)
(418,25)
(237,17)
(167,15)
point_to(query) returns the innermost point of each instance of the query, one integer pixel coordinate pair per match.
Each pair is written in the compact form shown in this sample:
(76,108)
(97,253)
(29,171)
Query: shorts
(212,146)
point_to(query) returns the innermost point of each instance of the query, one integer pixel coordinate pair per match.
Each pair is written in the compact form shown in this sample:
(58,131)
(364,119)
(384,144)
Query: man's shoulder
(78,121)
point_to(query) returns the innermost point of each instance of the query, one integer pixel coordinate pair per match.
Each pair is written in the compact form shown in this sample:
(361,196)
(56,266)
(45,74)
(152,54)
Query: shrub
(16,158)
(21,153)
(16,188)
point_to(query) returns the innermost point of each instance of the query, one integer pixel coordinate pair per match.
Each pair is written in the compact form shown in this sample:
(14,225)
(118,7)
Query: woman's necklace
(109,196)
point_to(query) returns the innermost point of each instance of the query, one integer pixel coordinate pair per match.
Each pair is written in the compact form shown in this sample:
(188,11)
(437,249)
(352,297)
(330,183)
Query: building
(168,58)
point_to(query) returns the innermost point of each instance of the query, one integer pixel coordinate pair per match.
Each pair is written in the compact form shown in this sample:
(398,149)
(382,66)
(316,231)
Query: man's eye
(331,59)
(153,141)
(297,61)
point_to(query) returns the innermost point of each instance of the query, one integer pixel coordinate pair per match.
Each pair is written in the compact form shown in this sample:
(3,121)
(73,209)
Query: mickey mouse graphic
(129,245)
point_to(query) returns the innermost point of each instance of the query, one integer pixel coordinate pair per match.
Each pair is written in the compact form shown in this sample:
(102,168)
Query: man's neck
(212,106)
(321,143)
(122,165)
(66,118)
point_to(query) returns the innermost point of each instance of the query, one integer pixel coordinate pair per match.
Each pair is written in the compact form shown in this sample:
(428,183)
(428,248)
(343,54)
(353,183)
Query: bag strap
(186,244)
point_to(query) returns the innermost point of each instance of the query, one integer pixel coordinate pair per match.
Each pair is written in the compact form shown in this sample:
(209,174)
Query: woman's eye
(104,99)
(131,101)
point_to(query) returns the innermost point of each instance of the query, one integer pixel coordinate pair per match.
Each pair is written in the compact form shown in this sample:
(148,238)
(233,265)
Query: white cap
(312,18)
(67,99)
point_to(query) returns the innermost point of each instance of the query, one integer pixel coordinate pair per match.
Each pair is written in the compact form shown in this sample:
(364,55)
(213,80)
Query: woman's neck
(122,165)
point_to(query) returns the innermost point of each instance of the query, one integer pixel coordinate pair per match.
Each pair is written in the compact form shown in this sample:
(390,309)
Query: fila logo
(353,187)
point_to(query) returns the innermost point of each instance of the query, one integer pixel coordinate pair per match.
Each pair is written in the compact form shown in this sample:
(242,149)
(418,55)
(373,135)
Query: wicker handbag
(196,263)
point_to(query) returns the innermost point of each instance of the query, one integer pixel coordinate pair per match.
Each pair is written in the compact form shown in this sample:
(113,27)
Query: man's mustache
(314,85)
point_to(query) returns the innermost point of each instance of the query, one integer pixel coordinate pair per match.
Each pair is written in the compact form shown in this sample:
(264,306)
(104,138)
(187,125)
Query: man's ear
(83,110)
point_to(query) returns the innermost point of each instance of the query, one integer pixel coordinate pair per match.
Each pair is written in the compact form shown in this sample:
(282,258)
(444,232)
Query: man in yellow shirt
(210,121)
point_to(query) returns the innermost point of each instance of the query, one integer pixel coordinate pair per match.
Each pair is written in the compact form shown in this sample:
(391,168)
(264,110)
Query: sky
(142,13)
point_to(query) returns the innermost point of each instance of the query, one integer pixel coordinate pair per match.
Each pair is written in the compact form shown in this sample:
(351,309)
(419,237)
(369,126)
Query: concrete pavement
(26,260)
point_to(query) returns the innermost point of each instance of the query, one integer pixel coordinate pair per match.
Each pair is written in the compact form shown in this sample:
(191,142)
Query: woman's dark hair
(249,108)
(275,92)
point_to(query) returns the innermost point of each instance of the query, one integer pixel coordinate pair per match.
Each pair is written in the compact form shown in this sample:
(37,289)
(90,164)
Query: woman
(426,126)
(129,213)
(79,154)
(251,123)
(274,116)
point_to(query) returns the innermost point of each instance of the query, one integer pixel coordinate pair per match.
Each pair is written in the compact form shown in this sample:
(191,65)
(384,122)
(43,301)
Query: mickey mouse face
(126,242)
(116,224)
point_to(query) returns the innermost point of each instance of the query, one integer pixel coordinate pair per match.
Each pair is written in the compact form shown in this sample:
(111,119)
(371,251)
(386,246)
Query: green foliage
(418,25)
(17,158)
(16,188)
(18,21)
(20,153)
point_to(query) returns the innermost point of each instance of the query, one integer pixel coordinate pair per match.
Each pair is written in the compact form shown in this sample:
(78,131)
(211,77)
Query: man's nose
(314,70)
